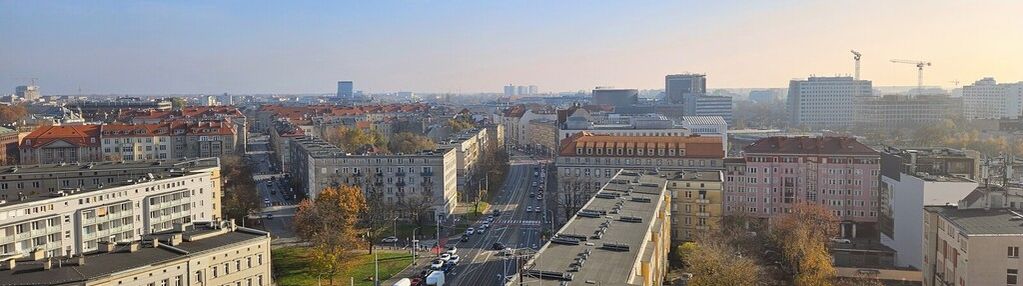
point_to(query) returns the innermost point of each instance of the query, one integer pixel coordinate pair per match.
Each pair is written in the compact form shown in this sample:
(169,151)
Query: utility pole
(376,269)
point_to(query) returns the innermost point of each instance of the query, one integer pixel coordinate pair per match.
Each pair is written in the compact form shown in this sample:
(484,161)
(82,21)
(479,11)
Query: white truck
(403,282)
(435,278)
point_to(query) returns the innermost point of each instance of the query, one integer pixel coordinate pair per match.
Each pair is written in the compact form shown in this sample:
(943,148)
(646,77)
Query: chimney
(9,264)
(48,264)
(107,246)
(175,239)
(133,246)
(80,259)
(155,243)
(38,254)
(180,227)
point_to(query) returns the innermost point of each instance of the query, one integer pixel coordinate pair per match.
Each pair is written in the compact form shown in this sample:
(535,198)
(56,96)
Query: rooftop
(197,239)
(694,146)
(610,234)
(981,221)
(698,176)
(704,120)
(826,145)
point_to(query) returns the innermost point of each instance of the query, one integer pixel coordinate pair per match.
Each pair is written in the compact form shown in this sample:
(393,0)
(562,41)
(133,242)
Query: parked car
(529,209)
(841,240)
(445,256)
(498,246)
(436,264)
(451,250)
(389,239)
(470,231)
(454,259)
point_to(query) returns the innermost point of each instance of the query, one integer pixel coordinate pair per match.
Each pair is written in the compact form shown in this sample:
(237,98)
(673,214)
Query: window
(1011,276)
(1013,251)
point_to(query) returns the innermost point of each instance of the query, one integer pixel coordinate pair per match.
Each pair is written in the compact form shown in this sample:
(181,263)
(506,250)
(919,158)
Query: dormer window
(600,151)
(639,151)
(650,152)
(630,152)
(681,152)
(671,152)
(578,150)
(589,151)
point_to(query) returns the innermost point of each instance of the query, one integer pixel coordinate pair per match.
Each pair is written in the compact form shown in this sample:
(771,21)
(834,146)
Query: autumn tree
(353,139)
(715,263)
(178,103)
(12,113)
(802,235)
(407,142)
(330,225)
(240,196)
(460,124)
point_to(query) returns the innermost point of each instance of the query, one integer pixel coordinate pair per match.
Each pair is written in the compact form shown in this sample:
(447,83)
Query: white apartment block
(428,176)
(67,209)
(987,99)
(469,146)
(206,253)
(971,246)
(825,102)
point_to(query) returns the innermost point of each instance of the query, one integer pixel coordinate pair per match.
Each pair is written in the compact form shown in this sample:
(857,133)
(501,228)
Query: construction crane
(919,72)
(856,56)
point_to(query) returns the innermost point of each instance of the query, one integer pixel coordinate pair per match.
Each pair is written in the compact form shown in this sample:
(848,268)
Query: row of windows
(631,151)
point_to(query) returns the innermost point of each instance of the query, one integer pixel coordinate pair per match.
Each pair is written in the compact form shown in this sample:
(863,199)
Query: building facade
(56,144)
(892,112)
(427,180)
(780,172)
(678,86)
(697,197)
(971,246)
(70,208)
(127,142)
(825,102)
(8,146)
(987,99)
(615,96)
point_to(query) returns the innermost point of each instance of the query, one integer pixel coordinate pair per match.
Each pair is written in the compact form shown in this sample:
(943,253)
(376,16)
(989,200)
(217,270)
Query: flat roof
(701,176)
(99,264)
(628,195)
(981,221)
(187,164)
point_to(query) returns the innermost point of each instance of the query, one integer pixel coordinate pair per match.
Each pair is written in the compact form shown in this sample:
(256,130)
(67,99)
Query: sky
(167,47)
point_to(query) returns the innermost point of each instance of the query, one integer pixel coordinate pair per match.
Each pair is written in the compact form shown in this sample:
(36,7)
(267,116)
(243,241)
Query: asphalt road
(516,228)
(281,204)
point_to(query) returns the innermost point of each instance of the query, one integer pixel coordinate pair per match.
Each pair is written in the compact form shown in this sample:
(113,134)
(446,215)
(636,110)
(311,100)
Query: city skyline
(306,47)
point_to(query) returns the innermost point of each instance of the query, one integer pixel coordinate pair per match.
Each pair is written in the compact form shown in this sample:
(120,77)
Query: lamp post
(414,245)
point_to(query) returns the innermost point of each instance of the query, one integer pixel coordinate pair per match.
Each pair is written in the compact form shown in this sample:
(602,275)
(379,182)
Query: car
(841,240)
(497,213)
(534,183)
(266,202)
(389,239)
(465,238)
(481,229)
(506,252)
(268,216)
(535,246)
(416,281)
(451,250)
(470,231)
(532,195)
(529,209)
(485,225)
(454,259)
(436,264)
(445,256)
(489,220)
(536,173)
(540,197)
(498,246)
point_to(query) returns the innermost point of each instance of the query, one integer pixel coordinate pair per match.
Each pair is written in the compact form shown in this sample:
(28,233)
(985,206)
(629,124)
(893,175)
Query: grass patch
(291,267)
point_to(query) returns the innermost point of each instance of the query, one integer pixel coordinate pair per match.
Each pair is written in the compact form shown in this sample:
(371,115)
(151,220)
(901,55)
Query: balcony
(357,174)
(427,174)
(379,174)
(400,174)
(400,184)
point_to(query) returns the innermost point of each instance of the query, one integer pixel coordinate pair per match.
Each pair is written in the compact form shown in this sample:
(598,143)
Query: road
(281,204)
(514,228)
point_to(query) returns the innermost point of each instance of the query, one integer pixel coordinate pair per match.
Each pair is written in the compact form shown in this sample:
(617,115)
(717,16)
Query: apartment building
(620,237)
(194,115)
(470,147)
(203,253)
(127,142)
(839,173)
(988,99)
(423,179)
(8,145)
(516,122)
(66,143)
(696,199)
(911,179)
(70,208)
(543,136)
(587,161)
(825,102)
(892,112)
(971,246)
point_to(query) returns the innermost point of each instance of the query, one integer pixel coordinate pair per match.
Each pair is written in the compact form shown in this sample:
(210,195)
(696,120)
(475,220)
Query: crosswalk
(519,222)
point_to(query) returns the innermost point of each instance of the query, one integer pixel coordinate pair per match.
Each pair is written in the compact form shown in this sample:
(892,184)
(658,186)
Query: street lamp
(414,245)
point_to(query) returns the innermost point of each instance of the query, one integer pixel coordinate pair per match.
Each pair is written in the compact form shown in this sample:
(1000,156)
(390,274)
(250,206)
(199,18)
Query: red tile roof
(827,145)
(695,146)
(80,135)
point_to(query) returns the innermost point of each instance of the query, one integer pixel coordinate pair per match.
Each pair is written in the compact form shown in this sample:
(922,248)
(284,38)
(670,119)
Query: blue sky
(473,46)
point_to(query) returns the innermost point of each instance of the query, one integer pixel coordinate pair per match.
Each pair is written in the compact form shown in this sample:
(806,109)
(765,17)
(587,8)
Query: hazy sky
(472,46)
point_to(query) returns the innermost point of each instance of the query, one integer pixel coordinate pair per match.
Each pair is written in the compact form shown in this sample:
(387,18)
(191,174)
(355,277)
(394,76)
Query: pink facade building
(778,172)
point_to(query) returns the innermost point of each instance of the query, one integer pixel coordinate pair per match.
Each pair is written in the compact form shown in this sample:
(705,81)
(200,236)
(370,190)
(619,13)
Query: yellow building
(696,201)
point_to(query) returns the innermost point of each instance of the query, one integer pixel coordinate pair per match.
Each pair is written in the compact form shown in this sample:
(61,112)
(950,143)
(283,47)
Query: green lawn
(291,268)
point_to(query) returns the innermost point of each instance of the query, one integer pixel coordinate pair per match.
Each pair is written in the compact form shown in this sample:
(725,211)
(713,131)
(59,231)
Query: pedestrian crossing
(519,222)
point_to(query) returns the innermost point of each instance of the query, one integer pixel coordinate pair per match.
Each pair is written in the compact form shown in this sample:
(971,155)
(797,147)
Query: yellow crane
(919,71)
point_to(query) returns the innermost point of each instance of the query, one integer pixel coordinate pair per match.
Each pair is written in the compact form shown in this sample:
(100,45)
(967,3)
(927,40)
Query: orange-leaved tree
(803,235)
(329,224)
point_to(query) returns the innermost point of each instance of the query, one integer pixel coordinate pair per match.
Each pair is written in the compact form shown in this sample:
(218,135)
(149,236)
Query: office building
(697,197)
(707,105)
(346,89)
(987,99)
(69,209)
(427,180)
(617,97)
(203,253)
(27,92)
(620,237)
(825,102)
(587,161)
(509,90)
(893,112)
(678,86)
(971,246)
(777,173)
(912,179)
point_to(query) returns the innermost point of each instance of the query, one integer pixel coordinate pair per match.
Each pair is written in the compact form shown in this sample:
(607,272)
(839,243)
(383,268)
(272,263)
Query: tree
(407,142)
(713,262)
(178,103)
(354,139)
(459,124)
(12,113)
(329,224)
(802,236)
(240,196)
(418,206)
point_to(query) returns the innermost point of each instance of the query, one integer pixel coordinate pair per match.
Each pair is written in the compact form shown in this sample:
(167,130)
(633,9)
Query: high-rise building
(707,105)
(28,92)
(678,86)
(345,89)
(509,90)
(522,90)
(533,89)
(825,102)
(618,97)
(987,99)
